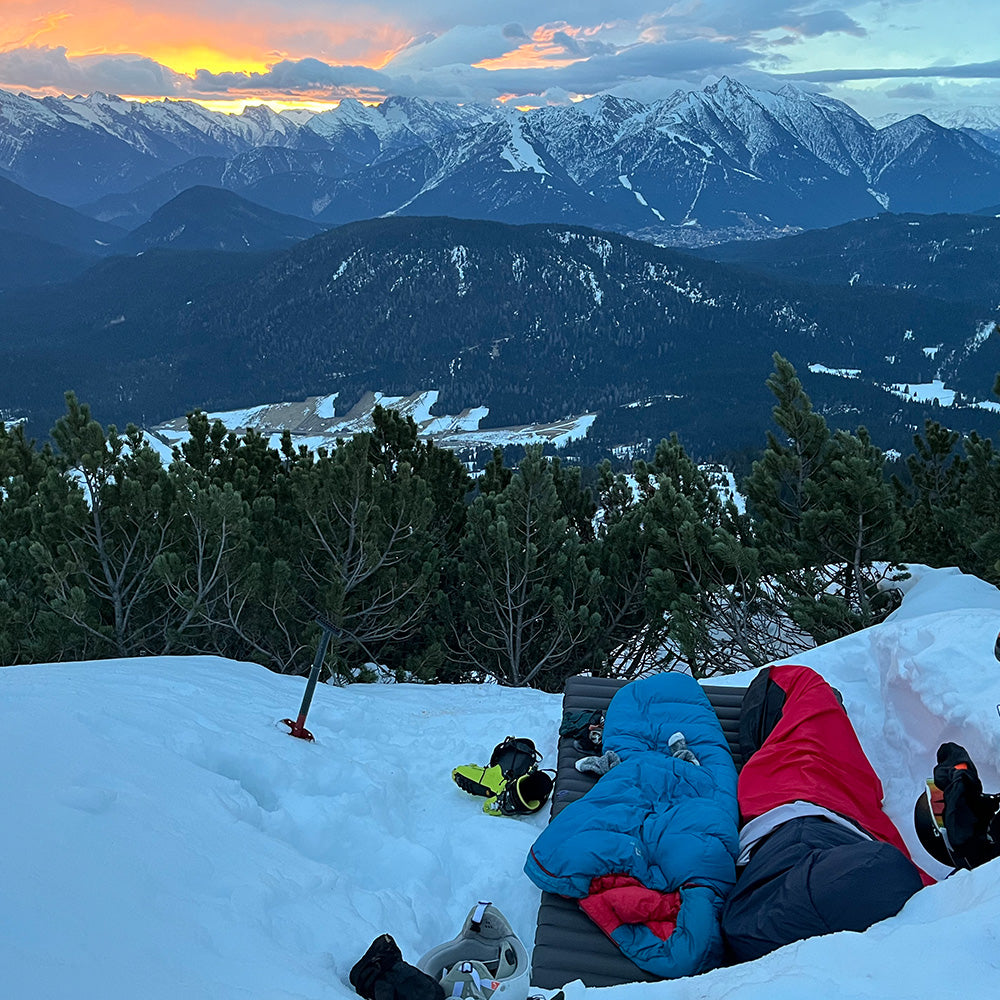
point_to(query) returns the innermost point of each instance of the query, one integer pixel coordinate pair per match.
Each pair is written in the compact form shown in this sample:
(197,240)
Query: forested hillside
(533,322)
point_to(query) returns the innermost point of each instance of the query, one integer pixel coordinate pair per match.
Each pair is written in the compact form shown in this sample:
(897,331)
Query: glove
(967,812)
(381,974)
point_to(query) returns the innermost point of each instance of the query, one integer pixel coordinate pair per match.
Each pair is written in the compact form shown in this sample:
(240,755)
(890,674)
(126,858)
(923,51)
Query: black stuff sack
(381,974)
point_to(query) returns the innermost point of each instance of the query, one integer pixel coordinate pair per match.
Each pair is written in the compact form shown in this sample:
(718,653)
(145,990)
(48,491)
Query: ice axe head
(297,729)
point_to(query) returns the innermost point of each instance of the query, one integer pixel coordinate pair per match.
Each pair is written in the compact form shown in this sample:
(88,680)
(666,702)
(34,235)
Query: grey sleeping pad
(568,944)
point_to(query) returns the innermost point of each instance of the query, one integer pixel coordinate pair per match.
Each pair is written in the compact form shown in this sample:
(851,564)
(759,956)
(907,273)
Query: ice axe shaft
(298,727)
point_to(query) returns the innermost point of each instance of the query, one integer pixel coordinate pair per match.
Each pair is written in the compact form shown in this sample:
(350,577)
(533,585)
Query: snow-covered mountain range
(980,121)
(725,161)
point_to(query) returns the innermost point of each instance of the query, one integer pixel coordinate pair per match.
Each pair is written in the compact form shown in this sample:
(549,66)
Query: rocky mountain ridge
(696,167)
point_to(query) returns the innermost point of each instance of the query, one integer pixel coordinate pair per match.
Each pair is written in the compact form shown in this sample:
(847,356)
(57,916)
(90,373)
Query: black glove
(381,974)
(406,982)
(967,812)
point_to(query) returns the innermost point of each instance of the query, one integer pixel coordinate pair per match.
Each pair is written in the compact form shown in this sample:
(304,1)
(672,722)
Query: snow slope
(165,838)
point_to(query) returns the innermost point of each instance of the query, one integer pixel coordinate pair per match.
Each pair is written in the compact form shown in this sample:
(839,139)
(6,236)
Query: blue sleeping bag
(649,852)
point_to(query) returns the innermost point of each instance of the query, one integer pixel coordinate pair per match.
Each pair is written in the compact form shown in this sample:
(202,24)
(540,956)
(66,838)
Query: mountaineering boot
(957,823)
(515,756)
(510,759)
(478,779)
(522,796)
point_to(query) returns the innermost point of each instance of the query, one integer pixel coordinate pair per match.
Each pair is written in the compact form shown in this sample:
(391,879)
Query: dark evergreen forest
(535,322)
(532,571)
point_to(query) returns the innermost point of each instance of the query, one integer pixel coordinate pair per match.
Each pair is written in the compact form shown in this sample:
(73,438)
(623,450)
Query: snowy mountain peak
(98,97)
(726,85)
(351,109)
(979,117)
(911,127)
(263,114)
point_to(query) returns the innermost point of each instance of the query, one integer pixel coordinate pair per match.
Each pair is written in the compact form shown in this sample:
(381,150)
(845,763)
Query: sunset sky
(902,56)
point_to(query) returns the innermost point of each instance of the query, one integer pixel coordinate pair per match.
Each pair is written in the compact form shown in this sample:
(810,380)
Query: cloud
(665,59)
(461,45)
(678,64)
(913,91)
(39,67)
(964,71)
(293,76)
(823,23)
(748,21)
(580,46)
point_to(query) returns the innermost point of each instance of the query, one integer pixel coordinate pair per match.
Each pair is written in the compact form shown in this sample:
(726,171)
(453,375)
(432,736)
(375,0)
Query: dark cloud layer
(825,22)
(913,91)
(966,71)
(290,77)
(40,67)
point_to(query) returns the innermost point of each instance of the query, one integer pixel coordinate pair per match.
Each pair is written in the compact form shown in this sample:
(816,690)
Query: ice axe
(297,728)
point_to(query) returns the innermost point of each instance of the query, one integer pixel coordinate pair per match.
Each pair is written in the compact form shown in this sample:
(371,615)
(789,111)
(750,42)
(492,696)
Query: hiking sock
(677,744)
(598,765)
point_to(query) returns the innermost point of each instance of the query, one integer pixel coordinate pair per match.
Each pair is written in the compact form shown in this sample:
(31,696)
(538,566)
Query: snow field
(166,838)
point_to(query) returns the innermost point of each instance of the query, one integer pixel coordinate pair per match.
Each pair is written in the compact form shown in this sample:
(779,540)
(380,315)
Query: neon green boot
(510,759)
(479,779)
(520,796)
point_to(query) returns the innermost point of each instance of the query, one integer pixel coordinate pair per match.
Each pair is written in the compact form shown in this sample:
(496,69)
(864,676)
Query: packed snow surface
(165,838)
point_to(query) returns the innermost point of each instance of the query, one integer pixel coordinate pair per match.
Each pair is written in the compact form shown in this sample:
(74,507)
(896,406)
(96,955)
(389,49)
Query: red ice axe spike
(298,728)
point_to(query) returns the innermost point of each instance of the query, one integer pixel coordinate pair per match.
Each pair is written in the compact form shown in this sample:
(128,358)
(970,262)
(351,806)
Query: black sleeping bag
(810,877)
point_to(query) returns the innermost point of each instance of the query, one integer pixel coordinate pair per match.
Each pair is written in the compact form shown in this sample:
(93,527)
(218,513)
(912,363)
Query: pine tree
(825,517)
(369,561)
(706,579)
(633,629)
(99,533)
(210,569)
(931,499)
(978,512)
(527,615)
(29,632)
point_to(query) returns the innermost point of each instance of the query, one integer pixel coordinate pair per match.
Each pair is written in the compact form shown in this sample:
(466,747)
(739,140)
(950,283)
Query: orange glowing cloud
(188,41)
(548,47)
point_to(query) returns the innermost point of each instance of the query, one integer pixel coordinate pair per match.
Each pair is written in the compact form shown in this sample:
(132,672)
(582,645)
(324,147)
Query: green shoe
(510,759)
(522,796)
(478,779)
